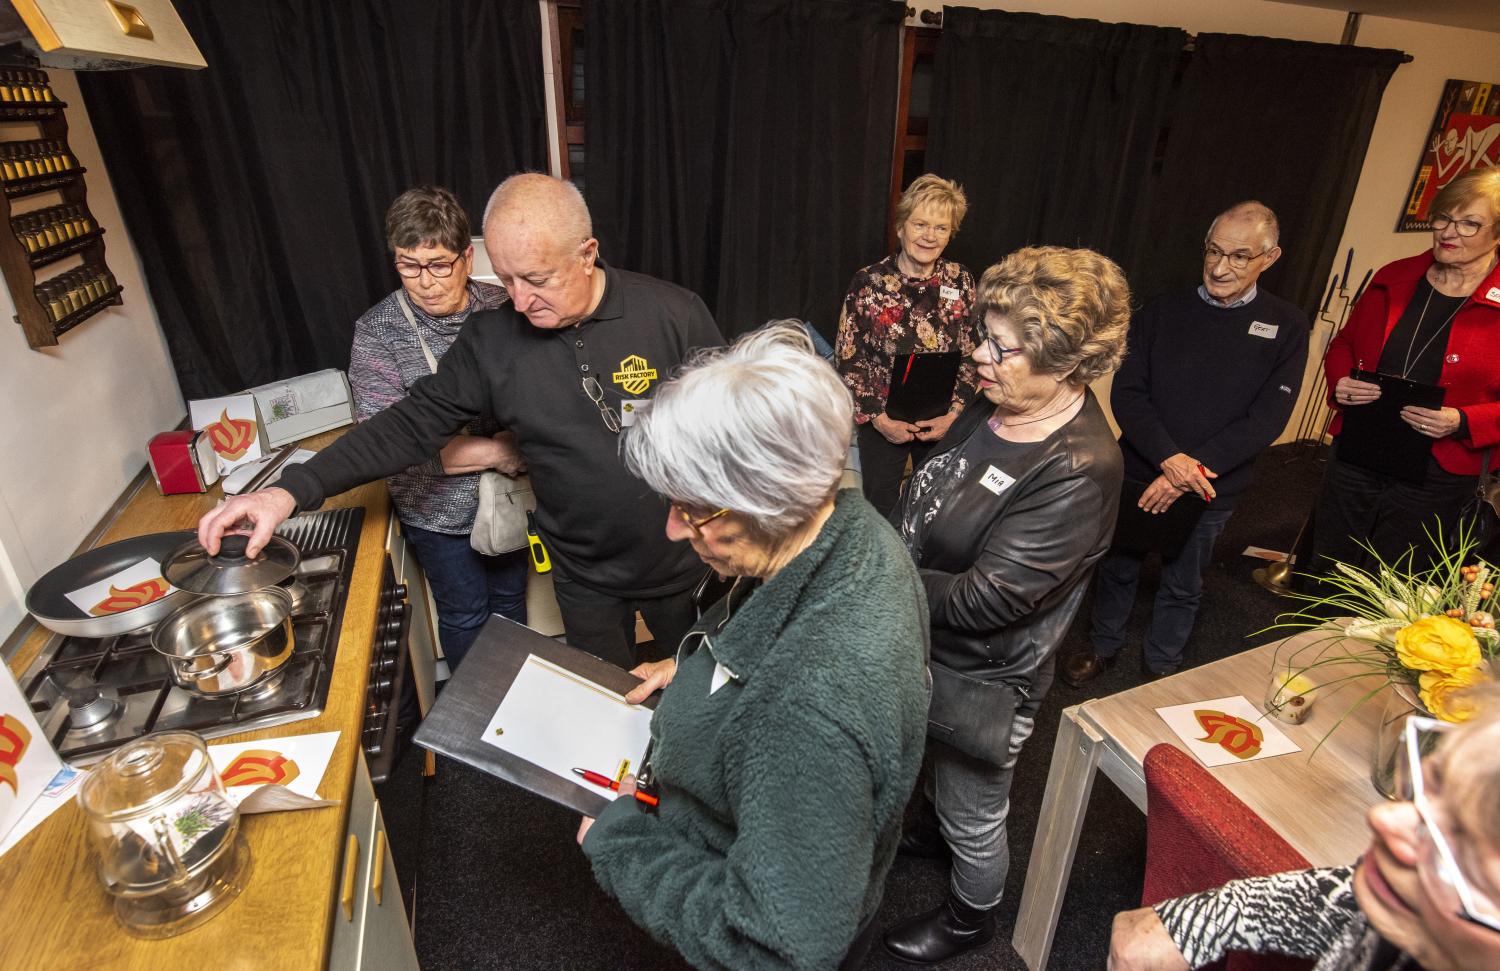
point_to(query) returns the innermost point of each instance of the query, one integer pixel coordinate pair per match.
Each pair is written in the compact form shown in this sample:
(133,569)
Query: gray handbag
(971,715)
(500,516)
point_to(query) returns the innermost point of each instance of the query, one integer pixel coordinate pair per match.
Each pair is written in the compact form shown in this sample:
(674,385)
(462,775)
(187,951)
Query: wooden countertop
(54,912)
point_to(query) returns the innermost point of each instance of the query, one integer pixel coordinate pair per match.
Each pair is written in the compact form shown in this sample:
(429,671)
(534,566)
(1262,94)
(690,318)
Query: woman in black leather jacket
(1006,522)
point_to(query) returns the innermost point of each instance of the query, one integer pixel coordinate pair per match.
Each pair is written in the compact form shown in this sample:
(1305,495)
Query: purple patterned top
(385,361)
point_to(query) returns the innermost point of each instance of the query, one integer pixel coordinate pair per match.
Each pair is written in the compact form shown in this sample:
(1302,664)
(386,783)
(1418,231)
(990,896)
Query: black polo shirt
(604,527)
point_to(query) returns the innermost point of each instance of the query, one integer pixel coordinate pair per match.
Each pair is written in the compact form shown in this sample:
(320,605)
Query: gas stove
(93,694)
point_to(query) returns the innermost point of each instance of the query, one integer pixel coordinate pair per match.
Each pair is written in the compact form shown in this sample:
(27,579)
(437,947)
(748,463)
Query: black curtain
(1051,124)
(741,148)
(1285,122)
(255,190)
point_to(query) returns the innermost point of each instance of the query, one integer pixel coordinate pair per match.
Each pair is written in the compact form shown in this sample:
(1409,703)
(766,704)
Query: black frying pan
(47,599)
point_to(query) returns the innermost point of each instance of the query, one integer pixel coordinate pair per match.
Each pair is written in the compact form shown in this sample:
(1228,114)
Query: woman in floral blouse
(913,301)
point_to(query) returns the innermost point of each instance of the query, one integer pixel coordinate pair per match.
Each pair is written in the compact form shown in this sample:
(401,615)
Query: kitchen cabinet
(370,929)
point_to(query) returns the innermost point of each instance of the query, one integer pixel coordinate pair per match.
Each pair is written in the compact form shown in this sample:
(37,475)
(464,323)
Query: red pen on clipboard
(605,782)
(910,360)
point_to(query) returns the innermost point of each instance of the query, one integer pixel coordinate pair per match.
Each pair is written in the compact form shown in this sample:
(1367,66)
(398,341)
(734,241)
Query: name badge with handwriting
(996,481)
(948,293)
(1267,331)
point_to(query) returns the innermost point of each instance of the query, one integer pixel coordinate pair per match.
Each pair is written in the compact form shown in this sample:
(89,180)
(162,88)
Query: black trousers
(881,465)
(1391,517)
(605,626)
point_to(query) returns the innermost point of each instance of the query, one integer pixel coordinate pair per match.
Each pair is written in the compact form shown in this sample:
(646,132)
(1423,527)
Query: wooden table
(1316,803)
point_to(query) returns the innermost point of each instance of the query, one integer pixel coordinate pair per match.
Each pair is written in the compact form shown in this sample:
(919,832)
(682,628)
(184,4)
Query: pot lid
(190,568)
(144,774)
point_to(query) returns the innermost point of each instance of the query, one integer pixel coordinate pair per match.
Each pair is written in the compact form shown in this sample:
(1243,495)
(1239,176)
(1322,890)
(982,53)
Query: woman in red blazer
(1435,319)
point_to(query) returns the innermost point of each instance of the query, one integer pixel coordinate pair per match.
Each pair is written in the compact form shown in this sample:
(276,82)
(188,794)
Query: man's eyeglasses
(1239,259)
(1464,227)
(997,353)
(1437,866)
(596,395)
(696,524)
(440,269)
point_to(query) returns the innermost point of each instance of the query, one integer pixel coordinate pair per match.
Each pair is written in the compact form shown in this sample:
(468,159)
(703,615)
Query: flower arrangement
(1430,634)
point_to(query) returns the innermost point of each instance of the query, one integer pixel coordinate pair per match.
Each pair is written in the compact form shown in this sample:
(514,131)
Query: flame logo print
(231,437)
(14,738)
(1234,735)
(128,598)
(254,767)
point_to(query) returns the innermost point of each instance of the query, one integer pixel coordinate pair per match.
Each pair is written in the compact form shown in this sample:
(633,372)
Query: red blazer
(1471,363)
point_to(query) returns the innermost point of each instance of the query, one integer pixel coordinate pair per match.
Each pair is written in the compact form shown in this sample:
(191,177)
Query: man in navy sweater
(1210,379)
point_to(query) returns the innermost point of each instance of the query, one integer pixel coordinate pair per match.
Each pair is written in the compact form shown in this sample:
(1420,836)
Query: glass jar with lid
(170,849)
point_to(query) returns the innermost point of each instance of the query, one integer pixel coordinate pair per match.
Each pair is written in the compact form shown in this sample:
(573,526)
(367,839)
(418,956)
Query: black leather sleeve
(1031,554)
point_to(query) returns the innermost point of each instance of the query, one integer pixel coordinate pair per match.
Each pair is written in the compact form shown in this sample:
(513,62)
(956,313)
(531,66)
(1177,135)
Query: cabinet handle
(346,885)
(378,866)
(132,24)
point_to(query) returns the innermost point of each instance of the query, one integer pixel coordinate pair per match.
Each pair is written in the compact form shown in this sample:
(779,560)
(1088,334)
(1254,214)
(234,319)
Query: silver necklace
(996,424)
(1416,331)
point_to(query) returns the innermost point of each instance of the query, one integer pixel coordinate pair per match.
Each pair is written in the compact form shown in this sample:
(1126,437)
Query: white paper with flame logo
(27,760)
(1228,737)
(91,596)
(273,774)
(232,428)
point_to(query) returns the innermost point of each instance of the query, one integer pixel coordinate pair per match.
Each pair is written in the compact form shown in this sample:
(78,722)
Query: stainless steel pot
(223,645)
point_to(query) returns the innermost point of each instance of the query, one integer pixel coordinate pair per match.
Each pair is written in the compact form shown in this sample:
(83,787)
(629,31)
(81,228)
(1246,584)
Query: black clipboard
(1373,436)
(454,725)
(922,385)
(1138,531)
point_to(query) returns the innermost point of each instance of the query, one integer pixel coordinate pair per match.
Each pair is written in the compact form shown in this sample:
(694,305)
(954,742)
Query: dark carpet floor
(495,880)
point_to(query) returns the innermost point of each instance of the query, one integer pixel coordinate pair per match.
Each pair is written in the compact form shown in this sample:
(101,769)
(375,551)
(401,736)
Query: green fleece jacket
(782,791)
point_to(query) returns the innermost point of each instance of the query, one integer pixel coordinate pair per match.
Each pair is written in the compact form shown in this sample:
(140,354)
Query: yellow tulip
(1437,643)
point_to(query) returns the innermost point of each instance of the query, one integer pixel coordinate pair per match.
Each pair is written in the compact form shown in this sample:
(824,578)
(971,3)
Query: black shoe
(1156,674)
(953,928)
(1078,668)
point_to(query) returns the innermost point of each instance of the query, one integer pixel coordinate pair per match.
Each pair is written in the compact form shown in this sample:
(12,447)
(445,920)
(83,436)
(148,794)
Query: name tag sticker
(948,293)
(628,410)
(720,679)
(1493,294)
(1259,329)
(996,481)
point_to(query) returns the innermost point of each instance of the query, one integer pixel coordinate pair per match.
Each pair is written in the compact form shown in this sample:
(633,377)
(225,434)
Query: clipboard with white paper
(559,721)
(498,680)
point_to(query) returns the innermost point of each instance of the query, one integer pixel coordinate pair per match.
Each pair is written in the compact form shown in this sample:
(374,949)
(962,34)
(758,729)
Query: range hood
(94,35)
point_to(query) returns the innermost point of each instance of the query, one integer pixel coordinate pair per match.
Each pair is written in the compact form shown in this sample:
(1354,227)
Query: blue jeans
(1177,596)
(467,586)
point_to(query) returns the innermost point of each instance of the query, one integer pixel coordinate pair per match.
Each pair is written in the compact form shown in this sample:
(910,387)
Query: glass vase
(1400,704)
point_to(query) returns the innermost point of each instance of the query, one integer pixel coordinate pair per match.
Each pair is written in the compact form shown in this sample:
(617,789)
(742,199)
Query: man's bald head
(1256,214)
(1239,247)
(533,203)
(541,245)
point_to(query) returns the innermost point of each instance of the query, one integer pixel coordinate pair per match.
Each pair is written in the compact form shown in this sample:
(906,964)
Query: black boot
(923,838)
(953,928)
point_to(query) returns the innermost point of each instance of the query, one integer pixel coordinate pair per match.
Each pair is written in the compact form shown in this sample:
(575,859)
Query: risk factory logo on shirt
(635,374)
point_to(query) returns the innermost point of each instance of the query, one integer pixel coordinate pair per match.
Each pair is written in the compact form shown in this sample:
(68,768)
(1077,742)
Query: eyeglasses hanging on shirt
(596,395)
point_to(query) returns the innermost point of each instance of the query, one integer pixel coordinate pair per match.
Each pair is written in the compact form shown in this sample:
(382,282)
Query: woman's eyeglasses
(440,269)
(997,353)
(696,524)
(596,395)
(1437,866)
(1464,227)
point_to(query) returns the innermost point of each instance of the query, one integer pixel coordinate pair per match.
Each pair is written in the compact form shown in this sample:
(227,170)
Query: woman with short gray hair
(789,735)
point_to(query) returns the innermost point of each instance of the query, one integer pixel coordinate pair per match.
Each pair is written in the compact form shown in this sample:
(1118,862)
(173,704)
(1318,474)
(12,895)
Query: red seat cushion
(1199,836)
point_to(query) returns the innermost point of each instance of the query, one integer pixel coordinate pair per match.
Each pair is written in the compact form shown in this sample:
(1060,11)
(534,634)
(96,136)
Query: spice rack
(52,293)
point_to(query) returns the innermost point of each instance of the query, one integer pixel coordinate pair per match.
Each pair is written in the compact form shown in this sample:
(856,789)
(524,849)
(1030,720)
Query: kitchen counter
(54,912)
